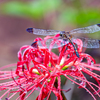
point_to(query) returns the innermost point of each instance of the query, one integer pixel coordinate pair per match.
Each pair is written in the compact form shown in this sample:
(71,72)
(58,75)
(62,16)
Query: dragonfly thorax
(64,35)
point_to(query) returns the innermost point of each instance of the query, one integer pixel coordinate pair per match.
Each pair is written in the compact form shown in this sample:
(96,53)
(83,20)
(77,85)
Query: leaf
(35,9)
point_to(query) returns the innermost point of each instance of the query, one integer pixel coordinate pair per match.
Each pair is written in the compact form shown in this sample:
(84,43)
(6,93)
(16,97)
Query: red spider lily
(40,69)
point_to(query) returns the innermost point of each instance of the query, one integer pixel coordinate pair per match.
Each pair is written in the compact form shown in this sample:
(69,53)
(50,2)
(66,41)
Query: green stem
(56,85)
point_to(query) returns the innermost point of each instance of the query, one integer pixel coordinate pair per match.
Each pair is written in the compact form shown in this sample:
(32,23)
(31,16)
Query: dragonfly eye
(62,34)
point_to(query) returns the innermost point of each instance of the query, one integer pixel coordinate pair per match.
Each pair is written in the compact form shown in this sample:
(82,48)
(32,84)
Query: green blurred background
(17,15)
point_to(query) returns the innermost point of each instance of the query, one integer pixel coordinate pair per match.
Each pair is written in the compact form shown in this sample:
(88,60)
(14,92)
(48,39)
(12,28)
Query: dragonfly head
(62,34)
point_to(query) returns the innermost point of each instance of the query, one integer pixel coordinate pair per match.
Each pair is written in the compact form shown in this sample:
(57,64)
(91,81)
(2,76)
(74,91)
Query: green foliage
(73,16)
(66,13)
(88,16)
(35,9)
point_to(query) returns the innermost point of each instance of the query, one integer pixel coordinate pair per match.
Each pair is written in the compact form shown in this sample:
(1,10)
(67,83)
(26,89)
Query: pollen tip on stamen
(68,90)
(5,99)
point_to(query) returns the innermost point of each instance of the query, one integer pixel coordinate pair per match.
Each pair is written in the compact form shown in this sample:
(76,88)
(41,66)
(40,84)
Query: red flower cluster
(39,69)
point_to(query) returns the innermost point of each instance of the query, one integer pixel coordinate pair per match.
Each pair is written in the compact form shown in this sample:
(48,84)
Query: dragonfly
(70,35)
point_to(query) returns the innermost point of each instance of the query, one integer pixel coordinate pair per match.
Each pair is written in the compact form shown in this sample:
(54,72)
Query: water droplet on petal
(25,92)
(90,76)
(80,68)
(72,82)
(83,84)
(74,79)
(86,91)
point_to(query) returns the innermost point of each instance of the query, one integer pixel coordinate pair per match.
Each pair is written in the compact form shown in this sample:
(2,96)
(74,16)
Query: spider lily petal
(40,69)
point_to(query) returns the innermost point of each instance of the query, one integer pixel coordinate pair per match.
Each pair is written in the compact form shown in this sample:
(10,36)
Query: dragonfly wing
(89,29)
(54,44)
(42,31)
(89,43)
